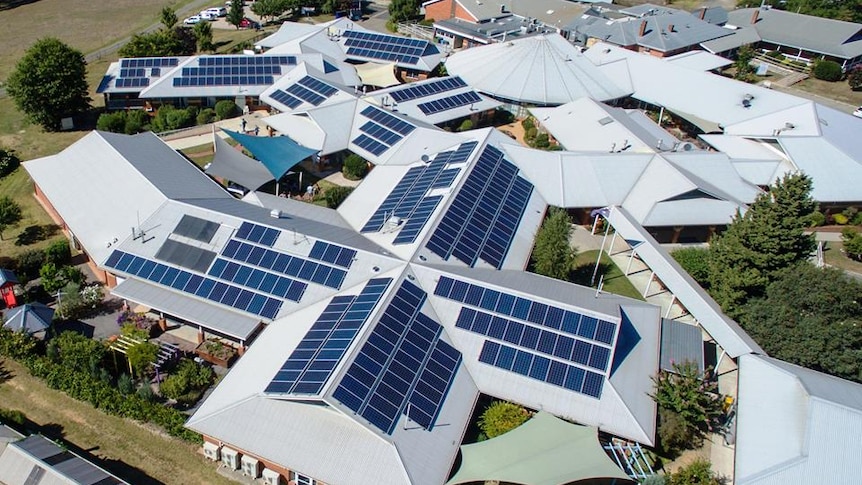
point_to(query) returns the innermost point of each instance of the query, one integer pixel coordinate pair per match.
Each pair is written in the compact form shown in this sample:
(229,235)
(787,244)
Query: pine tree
(553,255)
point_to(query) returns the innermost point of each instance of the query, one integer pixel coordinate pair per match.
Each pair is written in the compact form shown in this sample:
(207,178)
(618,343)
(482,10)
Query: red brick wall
(283,471)
(443,10)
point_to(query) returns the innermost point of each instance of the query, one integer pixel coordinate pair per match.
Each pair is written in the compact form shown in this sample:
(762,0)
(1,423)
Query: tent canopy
(543,451)
(231,164)
(278,154)
(380,75)
(29,318)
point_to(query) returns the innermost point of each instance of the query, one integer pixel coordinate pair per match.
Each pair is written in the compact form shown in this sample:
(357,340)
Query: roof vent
(275,214)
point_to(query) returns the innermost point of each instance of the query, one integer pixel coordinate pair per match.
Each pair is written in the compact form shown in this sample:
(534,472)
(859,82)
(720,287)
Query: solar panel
(482,220)
(149,62)
(370,145)
(417,220)
(192,284)
(279,262)
(187,256)
(317,355)
(196,228)
(247,60)
(403,367)
(318,86)
(332,253)
(541,368)
(305,94)
(381,132)
(575,324)
(386,47)
(427,89)
(396,124)
(449,102)
(257,234)
(286,99)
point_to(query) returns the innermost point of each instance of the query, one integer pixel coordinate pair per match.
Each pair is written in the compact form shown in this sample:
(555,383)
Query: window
(301,479)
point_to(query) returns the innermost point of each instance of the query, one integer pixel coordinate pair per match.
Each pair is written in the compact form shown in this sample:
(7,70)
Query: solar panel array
(315,358)
(543,369)
(150,62)
(307,89)
(134,74)
(483,218)
(295,266)
(185,255)
(257,234)
(332,253)
(427,89)
(573,323)
(193,284)
(449,102)
(196,228)
(257,279)
(382,131)
(409,199)
(247,61)
(233,71)
(403,367)
(385,47)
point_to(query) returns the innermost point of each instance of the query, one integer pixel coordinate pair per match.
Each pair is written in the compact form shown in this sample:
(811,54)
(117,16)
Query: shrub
(501,417)
(145,392)
(137,121)
(696,262)
(775,55)
(125,385)
(354,167)
(852,241)
(58,252)
(9,416)
(531,134)
(179,118)
(8,162)
(541,141)
(827,70)
(674,434)
(528,123)
(854,79)
(816,219)
(114,122)
(187,382)
(336,195)
(466,125)
(141,356)
(840,219)
(225,109)
(698,472)
(28,264)
(690,395)
(207,115)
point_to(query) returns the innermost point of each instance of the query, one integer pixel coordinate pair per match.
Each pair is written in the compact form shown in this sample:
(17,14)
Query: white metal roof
(699,60)
(545,70)
(413,107)
(795,425)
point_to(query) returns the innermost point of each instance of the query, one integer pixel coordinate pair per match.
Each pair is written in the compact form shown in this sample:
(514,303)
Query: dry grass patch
(839,90)
(137,453)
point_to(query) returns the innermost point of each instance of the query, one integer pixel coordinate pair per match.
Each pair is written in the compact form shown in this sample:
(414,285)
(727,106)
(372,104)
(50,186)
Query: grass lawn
(834,257)
(20,189)
(615,282)
(130,450)
(839,91)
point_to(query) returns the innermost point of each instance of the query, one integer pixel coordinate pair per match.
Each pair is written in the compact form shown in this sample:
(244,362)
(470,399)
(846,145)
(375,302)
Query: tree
(235,13)
(766,239)
(854,79)
(852,241)
(827,70)
(169,18)
(79,353)
(811,317)
(553,254)
(744,56)
(354,167)
(10,214)
(204,35)
(402,10)
(336,195)
(8,162)
(698,472)
(501,417)
(141,356)
(691,396)
(49,83)
(696,262)
(226,109)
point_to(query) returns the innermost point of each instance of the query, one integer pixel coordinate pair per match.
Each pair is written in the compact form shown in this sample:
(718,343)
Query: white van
(218,11)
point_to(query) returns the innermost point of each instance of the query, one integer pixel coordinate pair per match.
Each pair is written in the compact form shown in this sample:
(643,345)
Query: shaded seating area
(543,451)
(31,318)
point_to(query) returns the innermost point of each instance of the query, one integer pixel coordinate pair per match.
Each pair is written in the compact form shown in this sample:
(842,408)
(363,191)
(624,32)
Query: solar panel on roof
(192,284)
(449,102)
(427,89)
(305,94)
(257,234)
(196,228)
(573,323)
(482,220)
(318,86)
(286,99)
(317,355)
(279,262)
(187,256)
(370,144)
(417,219)
(403,365)
(388,120)
(542,368)
(384,47)
(332,253)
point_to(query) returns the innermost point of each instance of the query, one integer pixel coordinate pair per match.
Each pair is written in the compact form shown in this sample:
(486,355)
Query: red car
(248,23)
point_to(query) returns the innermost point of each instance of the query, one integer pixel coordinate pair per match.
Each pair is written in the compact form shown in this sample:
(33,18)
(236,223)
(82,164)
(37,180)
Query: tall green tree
(766,239)
(698,472)
(168,18)
(204,35)
(403,10)
(49,83)
(691,396)
(8,162)
(743,66)
(501,417)
(811,317)
(553,254)
(235,13)
(10,214)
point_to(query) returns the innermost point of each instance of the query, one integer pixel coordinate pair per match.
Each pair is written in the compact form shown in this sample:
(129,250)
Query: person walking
(256,130)
(242,125)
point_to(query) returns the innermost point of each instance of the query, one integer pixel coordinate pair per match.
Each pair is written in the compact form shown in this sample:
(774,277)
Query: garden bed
(216,353)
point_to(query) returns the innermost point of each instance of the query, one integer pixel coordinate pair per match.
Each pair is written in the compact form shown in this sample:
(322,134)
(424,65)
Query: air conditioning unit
(251,466)
(212,451)
(230,458)
(271,477)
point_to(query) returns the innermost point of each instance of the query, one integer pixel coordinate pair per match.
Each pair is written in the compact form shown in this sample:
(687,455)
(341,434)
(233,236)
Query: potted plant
(216,352)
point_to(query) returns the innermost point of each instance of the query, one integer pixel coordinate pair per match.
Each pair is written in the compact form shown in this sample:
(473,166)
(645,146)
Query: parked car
(192,20)
(218,11)
(208,15)
(858,112)
(248,23)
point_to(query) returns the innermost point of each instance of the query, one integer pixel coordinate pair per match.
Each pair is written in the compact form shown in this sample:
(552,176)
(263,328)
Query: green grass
(834,257)
(614,280)
(20,189)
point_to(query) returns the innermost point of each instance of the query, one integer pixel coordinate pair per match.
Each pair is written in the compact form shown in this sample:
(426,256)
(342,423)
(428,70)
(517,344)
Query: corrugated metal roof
(727,333)
(818,34)
(61,465)
(680,342)
(737,38)
(545,70)
(699,60)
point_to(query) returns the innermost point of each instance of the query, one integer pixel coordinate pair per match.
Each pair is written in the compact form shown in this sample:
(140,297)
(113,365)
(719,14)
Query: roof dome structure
(544,70)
